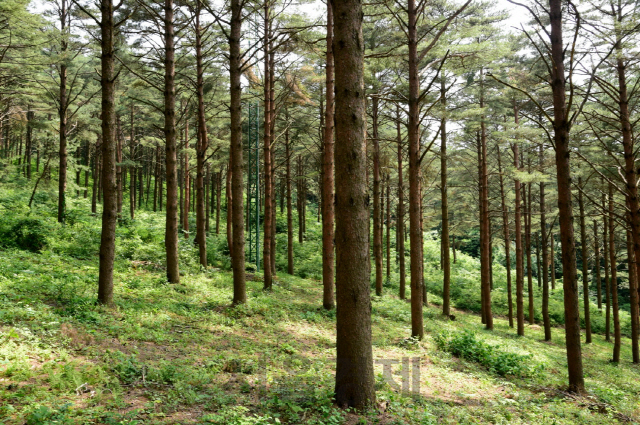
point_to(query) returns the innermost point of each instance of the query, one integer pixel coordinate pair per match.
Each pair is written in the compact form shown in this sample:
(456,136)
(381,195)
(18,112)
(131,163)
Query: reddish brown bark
(631,179)
(62,107)
(444,205)
(518,230)
(328,184)
(507,239)
(289,200)
(268,205)
(596,264)
(237,163)
(354,369)
(377,214)
(415,199)
(400,221)
(561,126)
(585,263)
(614,281)
(171,230)
(485,226)
(108,178)
(545,254)
(201,146)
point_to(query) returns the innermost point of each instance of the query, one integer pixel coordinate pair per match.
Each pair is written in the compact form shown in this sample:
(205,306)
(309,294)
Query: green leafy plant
(467,346)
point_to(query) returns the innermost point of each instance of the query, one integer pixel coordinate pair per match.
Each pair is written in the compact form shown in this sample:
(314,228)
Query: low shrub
(465,345)
(29,234)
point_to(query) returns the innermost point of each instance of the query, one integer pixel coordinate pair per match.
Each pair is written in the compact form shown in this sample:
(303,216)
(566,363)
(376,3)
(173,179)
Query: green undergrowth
(180,354)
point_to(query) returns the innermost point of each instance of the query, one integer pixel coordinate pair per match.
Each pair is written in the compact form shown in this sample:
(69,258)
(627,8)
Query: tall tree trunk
(607,280)
(561,126)
(388,221)
(95,175)
(208,201)
(109,207)
(633,283)
(235,73)
(483,316)
(171,230)
(268,205)
(545,253)
(119,169)
(614,281)
(552,259)
(444,206)
(106,7)
(289,196)
(400,221)
(518,230)
(585,263)
(527,237)
(272,103)
(415,199)
(538,266)
(377,214)
(485,233)
(218,200)
(29,141)
(229,196)
(354,369)
(187,182)
(631,179)
(202,146)
(507,239)
(328,184)
(132,203)
(596,264)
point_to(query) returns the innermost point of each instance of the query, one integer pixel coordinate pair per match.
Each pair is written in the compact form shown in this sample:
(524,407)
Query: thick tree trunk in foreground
(631,178)
(201,147)
(171,231)
(109,206)
(415,199)
(354,370)
(561,126)
(237,164)
(328,184)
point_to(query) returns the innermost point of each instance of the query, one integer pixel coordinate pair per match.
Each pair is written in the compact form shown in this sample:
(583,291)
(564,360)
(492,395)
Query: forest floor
(179,354)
